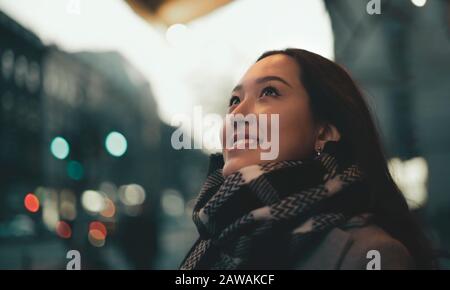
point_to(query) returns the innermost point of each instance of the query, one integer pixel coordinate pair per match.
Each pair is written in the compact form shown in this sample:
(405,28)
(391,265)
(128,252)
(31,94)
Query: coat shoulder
(371,245)
(357,247)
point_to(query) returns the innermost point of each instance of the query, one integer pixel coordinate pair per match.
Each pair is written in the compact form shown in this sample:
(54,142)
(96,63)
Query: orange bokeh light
(97,235)
(96,238)
(110,209)
(31,202)
(98,226)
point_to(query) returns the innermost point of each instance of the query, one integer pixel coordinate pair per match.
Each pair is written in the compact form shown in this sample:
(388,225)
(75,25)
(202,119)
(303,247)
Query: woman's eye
(234,100)
(269,91)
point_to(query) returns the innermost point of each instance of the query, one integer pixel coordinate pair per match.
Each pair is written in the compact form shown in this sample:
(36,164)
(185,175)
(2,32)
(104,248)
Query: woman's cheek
(296,135)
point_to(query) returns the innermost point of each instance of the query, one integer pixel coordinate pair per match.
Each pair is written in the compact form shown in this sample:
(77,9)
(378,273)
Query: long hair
(336,99)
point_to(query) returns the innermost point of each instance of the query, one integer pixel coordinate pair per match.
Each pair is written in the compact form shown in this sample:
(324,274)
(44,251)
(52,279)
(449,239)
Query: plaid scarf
(264,216)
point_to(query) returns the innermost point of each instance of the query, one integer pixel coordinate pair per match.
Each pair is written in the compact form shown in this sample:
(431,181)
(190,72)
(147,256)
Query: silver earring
(319,151)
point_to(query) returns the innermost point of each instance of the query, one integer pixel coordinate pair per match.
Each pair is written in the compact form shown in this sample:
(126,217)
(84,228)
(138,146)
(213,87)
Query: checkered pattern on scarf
(227,237)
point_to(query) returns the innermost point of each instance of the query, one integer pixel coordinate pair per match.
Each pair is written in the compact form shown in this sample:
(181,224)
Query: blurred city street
(89,89)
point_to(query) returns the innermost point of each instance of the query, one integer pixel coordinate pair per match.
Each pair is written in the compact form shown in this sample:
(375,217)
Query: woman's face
(272,86)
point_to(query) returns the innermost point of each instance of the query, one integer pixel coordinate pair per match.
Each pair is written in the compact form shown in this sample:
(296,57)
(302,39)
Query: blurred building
(86,162)
(401,58)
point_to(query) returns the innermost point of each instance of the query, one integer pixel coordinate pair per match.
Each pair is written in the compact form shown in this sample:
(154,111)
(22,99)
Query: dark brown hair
(336,99)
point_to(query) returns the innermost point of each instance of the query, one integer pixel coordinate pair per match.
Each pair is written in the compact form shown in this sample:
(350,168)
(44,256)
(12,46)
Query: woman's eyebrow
(263,80)
(237,88)
(272,78)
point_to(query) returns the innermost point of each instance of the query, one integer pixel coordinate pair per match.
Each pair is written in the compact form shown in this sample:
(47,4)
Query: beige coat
(348,248)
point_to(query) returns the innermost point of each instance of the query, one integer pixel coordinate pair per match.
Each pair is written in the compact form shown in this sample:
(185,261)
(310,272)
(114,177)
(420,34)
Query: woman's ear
(327,132)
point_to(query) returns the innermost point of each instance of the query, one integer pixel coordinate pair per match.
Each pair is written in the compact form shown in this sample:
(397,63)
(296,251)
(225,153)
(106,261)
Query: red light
(97,234)
(98,226)
(31,202)
(63,230)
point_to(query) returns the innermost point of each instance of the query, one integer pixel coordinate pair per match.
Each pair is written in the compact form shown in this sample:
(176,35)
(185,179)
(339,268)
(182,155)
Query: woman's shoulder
(357,246)
(371,247)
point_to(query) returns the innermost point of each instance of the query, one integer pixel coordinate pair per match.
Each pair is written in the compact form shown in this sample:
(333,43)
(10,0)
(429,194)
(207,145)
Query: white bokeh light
(419,3)
(411,176)
(60,148)
(116,144)
(93,201)
(172,202)
(132,194)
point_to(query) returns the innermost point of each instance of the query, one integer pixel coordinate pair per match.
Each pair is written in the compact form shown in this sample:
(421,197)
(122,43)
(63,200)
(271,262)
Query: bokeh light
(110,209)
(419,3)
(172,203)
(96,238)
(411,176)
(31,202)
(60,148)
(97,234)
(63,230)
(116,144)
(132,194)
(110,189)
(67,206)
(50,208)
(75,170)
(93,201)
(96,225)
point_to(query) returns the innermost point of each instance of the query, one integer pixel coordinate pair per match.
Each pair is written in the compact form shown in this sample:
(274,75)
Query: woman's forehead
(275,65)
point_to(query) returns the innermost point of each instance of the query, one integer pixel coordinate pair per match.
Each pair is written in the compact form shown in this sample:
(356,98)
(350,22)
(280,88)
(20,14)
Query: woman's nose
(245,107)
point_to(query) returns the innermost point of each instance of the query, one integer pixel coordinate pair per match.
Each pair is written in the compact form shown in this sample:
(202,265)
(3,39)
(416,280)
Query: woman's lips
(245,142)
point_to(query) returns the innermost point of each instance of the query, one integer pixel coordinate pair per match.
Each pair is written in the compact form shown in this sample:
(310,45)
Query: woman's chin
(234,162)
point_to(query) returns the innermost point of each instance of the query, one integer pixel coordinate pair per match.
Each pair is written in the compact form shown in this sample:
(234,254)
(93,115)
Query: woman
(326,202)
